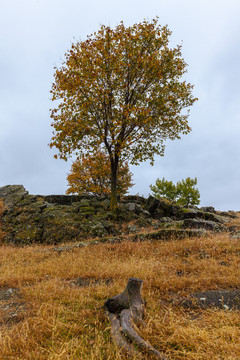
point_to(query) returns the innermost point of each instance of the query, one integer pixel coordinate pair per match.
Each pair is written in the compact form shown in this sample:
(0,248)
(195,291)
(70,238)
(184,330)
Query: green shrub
(183,193)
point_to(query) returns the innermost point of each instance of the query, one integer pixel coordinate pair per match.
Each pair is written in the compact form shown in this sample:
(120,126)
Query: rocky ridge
(53,219)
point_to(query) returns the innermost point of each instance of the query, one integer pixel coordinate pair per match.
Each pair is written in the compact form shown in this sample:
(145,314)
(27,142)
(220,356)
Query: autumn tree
(121,90)
(92,174)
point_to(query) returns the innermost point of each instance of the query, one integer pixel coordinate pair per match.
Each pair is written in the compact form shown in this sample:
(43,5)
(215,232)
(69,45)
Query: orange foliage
(121,89)
(92,174)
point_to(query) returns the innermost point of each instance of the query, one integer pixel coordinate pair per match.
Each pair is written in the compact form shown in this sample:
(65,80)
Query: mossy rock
(61,229)
(123,214)
(93,228)
(110,227)
(134,198)
(189,213)
(97,204)
(12,194)
(214,217)
(100,212)
(178,224)
(100,216)
(57,210)
(27,200)
(96,229)
(26,217)
(159,213)
(37,206)
(84,203)
(87,211)
(204,224)
(143,221)
(80,207)
(161,207)
(106,204)
(55,234)
(170,234)
(25,235)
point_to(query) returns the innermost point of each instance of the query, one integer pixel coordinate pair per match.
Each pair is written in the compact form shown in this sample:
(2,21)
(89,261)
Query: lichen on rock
(53,219)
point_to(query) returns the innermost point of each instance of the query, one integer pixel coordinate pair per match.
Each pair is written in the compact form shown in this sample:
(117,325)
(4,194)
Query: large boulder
(12,194)
(193,213)
(203,224)
(159,208)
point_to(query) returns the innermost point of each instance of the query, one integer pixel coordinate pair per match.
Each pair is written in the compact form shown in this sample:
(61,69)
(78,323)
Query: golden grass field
(60,320)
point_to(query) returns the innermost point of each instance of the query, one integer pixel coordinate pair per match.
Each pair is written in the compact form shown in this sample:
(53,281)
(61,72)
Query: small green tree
(184,192)
(164,188)
(187,193)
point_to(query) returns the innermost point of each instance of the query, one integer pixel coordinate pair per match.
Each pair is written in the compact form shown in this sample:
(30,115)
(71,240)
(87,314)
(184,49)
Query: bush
(92,174)
(184,192)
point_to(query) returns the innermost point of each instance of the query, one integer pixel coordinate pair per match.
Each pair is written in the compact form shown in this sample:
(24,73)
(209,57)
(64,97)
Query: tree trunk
(114,169)
(124,309)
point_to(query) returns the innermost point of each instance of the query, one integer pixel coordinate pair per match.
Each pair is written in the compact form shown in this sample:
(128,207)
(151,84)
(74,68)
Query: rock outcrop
(227,299)
(12,194)
(53,219)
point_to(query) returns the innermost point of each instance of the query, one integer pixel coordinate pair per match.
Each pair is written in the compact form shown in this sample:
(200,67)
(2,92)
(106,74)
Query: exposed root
(120,339)
(123,310)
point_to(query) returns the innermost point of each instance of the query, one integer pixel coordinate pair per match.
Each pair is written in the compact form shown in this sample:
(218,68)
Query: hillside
(52,295)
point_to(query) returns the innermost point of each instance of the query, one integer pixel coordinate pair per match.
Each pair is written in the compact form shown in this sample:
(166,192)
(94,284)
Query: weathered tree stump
(123,311)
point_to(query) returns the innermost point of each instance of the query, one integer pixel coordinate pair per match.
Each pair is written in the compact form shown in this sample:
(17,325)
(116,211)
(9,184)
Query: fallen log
(123,311)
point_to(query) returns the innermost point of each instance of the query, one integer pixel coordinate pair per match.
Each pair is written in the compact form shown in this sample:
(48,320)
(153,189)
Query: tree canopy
(92,174)
(121,90)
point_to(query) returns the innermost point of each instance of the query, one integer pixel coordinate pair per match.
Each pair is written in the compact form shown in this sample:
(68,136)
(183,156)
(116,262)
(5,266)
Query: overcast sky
(34,36)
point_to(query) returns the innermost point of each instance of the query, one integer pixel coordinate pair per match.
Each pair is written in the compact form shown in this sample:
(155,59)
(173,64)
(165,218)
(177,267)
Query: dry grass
(64,321)
(236,221)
